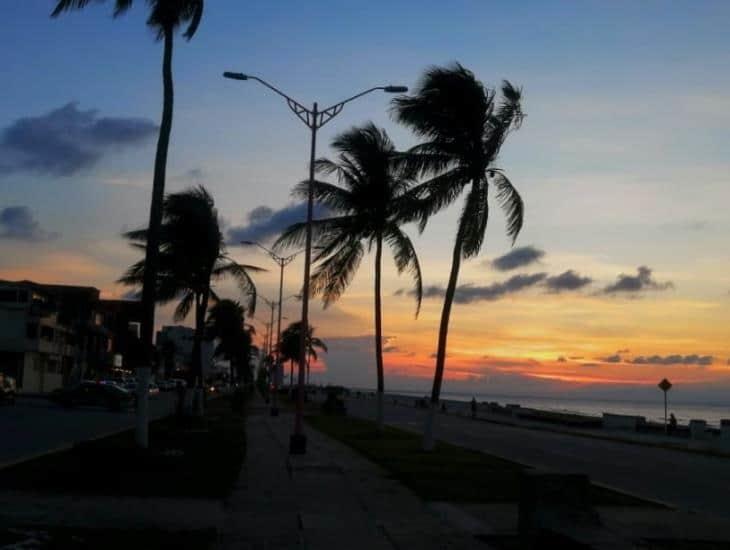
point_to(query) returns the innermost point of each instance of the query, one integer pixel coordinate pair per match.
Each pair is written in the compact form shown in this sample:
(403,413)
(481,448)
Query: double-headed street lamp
(282,261)
(314,119)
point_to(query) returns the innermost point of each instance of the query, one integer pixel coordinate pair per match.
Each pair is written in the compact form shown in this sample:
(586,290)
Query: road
(683,480)
(34,425)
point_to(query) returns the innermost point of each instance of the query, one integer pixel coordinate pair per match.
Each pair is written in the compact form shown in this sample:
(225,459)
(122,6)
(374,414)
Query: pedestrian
(672,424)
(473,407)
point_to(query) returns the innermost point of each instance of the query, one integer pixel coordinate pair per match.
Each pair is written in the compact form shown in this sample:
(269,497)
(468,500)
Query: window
(8,295)
(47,333)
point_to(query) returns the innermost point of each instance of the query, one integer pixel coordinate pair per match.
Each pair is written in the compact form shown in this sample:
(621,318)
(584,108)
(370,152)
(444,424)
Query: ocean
(653,411)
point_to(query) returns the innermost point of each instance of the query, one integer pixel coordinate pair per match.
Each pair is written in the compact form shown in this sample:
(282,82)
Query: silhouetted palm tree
(165,17)
(464,128)
(370,204)
(192,255)
(290,346)
(226,323)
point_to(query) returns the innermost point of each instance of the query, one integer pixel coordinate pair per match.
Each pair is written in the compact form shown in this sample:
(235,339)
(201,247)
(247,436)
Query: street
(36,425)
(683,480)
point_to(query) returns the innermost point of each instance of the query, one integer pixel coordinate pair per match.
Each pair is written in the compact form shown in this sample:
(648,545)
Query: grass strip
(449,472)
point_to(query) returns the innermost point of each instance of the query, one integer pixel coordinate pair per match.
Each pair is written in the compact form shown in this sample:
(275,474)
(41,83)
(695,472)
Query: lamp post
(282,261)
(270,337)
(314,119)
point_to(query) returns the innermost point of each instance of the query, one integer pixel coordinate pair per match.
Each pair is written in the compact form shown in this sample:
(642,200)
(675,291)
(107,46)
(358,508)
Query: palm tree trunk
(379,333)
(153,232)
(428,440)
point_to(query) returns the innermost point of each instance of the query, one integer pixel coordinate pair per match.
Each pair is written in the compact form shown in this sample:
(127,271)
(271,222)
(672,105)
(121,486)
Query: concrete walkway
(329,498)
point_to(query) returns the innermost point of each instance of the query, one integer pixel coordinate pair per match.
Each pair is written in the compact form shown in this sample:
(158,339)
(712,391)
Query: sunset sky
(620,277)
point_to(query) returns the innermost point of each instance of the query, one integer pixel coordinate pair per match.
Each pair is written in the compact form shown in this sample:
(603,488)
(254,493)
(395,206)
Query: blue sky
(622,159)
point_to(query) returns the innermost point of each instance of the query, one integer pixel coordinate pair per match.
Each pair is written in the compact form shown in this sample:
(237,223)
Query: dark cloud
(623,351)
(17,222)
(694,359)
(265,224)
(562,359)
(612,359)
(391,349)
(67,140)
(632,284)
(569,280)
(468,293)
(519,257)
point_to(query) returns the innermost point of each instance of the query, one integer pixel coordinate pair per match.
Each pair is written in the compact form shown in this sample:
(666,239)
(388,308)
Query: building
(53,335)
(123,318)
(175,345)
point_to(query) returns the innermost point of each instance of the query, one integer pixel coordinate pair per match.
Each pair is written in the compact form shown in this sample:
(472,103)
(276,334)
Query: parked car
(179,382)
(166,385)
(153,389)
(7,390)
(92,393)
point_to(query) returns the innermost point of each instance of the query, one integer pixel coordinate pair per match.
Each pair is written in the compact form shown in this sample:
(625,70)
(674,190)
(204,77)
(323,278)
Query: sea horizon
(684,409)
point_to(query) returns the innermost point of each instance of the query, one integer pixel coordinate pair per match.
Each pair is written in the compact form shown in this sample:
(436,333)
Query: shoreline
(576,407)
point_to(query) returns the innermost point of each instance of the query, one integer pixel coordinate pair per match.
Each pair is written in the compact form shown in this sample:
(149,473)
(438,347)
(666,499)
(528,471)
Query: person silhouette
(672,423)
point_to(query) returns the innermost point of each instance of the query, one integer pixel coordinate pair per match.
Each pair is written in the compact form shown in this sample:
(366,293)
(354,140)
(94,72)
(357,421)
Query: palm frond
(184,307)
(246,285)
(336,271)
(473,221)
(510,202)
(404,254)
(295,235)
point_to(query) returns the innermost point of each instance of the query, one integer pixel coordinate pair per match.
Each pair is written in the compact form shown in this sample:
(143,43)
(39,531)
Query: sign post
(665,386)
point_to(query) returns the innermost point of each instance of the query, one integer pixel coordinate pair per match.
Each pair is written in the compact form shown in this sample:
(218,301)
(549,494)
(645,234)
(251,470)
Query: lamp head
(235,76)
(395,89)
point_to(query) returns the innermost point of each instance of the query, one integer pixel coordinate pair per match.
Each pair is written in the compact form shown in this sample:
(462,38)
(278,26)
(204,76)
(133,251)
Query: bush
(333,405)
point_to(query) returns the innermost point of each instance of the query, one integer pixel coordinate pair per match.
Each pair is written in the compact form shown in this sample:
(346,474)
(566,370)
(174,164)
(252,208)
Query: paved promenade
(330,498)
(685,481)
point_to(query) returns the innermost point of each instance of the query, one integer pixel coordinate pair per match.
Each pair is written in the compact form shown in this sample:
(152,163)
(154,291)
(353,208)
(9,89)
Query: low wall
(622,422)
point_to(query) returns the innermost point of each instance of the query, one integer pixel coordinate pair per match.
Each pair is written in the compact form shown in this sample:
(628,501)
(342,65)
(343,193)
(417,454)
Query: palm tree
(165,17)
(371,202)
(226,323)
(463,128)
(192,255)
(290,346)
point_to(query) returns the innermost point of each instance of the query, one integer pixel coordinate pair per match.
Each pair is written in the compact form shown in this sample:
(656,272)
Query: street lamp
(274,409)
(314,119)
(282,261)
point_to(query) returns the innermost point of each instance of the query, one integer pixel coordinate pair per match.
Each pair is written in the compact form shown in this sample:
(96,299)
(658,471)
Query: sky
(620,276)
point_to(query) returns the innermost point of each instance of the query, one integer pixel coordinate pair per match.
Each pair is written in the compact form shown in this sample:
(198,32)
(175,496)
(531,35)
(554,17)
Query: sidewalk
(329,498)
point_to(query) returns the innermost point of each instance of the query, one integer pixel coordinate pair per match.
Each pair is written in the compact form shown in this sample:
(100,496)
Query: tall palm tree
(226,323)
(165,17)
(371,202)
(192,255)
(463,127)
(291,342)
